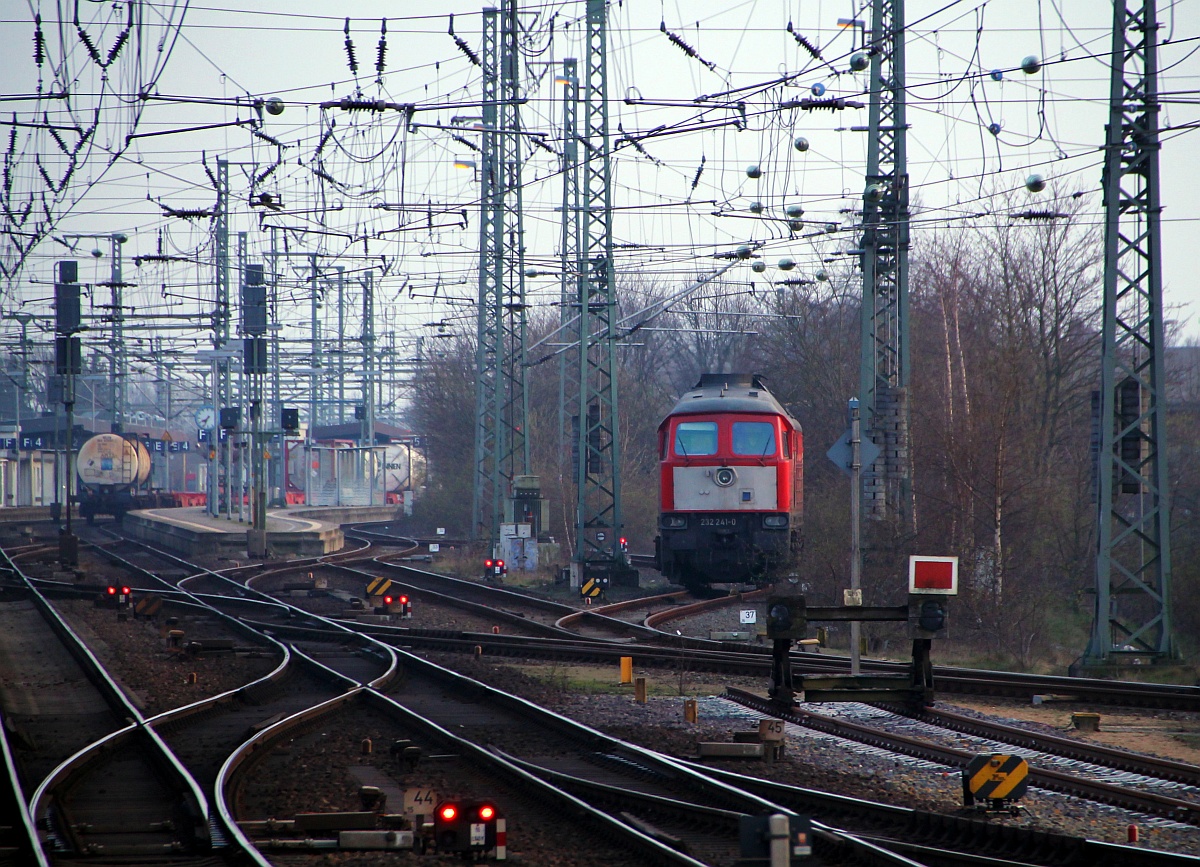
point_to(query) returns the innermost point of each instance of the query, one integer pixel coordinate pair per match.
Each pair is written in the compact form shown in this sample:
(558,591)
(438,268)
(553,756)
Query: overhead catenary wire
(358,166)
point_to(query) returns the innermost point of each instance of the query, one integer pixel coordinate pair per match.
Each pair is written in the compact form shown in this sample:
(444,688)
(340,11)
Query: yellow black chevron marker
(379,586)
(995,777)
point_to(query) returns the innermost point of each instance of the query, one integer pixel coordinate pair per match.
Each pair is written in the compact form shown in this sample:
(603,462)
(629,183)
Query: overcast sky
(365,191)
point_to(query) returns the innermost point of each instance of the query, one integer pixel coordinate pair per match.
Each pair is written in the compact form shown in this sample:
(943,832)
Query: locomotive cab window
(694,438)
(754,438)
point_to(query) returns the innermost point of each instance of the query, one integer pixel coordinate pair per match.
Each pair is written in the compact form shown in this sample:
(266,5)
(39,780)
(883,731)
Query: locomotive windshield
(754,438)
(696,438)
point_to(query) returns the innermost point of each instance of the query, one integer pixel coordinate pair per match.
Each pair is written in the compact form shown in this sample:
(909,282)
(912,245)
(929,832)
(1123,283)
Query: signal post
(930,581)
(68,363)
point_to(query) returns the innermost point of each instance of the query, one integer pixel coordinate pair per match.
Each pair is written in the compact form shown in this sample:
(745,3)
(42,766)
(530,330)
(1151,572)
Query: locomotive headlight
(725,476)
(775,522)
(674,522)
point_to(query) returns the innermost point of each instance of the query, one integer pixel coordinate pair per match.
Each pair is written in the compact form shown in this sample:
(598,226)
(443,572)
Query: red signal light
(499,564)
(487,812)
(449,812)
(403,600)
(387,600)
(125,591)
(112,591)
(487,564)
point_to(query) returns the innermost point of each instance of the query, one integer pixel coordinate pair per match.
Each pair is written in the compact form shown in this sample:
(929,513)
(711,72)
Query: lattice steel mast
(883,372)
(488,347)
(514,460)
(570,261)
(221,374)
(1133,563)
(598,475)
(501,448)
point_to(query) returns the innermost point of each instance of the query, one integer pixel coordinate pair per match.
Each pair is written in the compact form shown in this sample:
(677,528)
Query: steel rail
(227,773)
(121,706)
(1098,754)
(868,849)
(1003,843)
(544,629)
(226,776)
(568,614)
(461,684)
(29,846)
(179,714)
(1150,802)
(1145,802)
(562,801)
(1059,745)
(340,627)
(666,616)
(946,678)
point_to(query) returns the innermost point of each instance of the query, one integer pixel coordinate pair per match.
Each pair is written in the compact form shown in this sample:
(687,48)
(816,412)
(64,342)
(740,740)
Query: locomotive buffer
(931,581)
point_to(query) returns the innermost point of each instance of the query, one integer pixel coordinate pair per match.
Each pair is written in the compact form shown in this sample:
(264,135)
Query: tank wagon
(731,473)
(114,473)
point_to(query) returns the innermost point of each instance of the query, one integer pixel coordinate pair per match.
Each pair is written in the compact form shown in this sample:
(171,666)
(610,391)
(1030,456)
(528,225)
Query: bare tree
(1005,354)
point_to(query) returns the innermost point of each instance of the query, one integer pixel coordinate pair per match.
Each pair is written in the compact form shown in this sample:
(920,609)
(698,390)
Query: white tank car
(112,461)
(397,468)
(398,474)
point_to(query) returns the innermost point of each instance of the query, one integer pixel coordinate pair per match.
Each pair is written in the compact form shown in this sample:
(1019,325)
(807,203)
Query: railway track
(604,622)
(264,605)
(487,597)
(656,657)
(1148,802)
(347,667)
(359,674)
(614,776)
(81,736)
(325,659)
(1080,782)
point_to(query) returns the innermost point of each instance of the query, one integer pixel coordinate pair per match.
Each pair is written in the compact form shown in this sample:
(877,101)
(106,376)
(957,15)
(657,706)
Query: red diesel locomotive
(731,476)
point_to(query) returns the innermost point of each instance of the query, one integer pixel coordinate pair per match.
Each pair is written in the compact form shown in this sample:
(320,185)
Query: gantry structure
(501,404)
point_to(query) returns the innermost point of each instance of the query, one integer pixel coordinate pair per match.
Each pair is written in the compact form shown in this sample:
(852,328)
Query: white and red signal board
(933,575)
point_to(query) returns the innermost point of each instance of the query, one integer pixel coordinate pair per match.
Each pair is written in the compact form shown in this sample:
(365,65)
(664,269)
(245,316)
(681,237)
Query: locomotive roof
(729,392)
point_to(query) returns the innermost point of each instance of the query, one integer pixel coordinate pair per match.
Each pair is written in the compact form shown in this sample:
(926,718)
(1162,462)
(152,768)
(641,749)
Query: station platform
(19,514)
(306,531)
